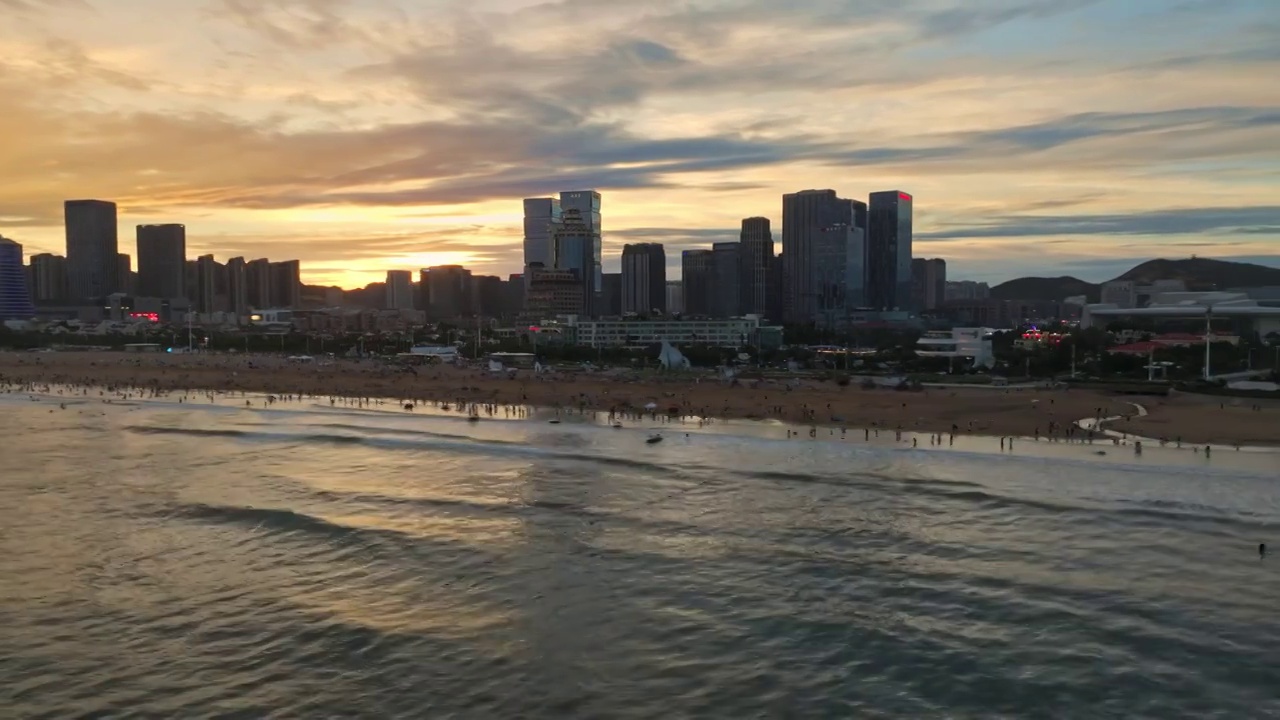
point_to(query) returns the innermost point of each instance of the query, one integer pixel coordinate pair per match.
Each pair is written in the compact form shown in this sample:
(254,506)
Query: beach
(1012,412)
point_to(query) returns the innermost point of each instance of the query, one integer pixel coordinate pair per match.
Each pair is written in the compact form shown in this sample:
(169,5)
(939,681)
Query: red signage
(903,196)
(152,317)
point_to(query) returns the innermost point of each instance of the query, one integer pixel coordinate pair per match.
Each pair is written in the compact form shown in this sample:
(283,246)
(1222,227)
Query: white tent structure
(671,359)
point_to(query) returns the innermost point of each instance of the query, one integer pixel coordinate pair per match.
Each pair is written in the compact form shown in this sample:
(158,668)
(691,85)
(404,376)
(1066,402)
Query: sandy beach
(1011,412)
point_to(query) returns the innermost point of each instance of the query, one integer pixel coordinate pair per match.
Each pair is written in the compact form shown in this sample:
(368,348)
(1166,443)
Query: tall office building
(644,278)
(162,256)
(124,274)
(489,296)
(238,287)
(610,304)
(840,267)
(448,292)
(577,249)
(777,289)
(806,217)
(696,279)
(755,254)
(587,204)
(286,284)
(726,266)
(889,251)
(541,216)
(675,297)
(206,284)
(15,296)
(552,292)
(48,278)
(399,290)
(257,276)
(92,247)
(928,283)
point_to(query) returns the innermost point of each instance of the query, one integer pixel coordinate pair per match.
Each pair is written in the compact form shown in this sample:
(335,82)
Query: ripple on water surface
(180,562)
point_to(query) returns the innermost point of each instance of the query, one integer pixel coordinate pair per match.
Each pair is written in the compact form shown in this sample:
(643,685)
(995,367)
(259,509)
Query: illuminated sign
(151,317)
(903,196)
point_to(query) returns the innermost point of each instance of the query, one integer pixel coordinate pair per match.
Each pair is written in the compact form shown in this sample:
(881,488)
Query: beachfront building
(15,296)
(966,343)
(728,332)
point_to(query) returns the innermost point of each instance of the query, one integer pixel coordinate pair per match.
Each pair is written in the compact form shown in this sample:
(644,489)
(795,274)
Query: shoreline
(1060,416)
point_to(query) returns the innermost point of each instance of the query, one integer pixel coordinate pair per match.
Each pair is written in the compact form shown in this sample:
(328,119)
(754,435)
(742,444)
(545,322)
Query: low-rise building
(727,332)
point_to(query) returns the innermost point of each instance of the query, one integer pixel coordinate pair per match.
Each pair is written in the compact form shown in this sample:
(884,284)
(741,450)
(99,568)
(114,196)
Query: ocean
(210,560)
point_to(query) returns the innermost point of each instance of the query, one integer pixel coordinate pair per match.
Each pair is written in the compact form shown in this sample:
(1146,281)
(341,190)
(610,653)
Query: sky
(1038,137)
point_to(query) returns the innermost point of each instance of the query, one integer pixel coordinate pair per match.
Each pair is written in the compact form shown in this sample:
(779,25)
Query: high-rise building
(552,292)
(162,256)
(726,264)
(644,278)
(928,283)
(237,287)
(515,294)
(696,279)
(806,217)
(399,290)
(577,249)
(206,284)
(889,251)
(587,204)
(286,284)
(610,304)
(15,296)
(541,216)
(448,291)
(840,268)
(489,295)
(124,274)
(48,278)
(92,247)
(675,297)
(755,254)
(777,289)
(257,275)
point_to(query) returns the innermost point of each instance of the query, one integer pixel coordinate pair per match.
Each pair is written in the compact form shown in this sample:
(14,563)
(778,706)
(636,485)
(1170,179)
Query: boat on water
(653,439)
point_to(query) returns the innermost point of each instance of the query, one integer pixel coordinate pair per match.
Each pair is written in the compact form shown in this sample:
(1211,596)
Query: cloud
(1187,221)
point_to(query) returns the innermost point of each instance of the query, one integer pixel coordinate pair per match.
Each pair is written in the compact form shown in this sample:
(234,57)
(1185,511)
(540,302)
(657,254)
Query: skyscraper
(675,296)
(488,293)
(577,249)
(286,284)
(238,287)
(695,277)
(48,278)
(755,253)
(124,274)
(587,205)
(257,275)
(928,283)
(644,278)
(449,292)
(15,297)
(726,265)
(889,251)
(541,215)
(610,295)
(206,284)
(840,268)
(162,254)
(806,216)
(92,247)
(399,290)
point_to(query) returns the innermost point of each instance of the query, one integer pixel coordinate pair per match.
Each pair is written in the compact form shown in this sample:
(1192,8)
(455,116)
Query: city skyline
(362,138)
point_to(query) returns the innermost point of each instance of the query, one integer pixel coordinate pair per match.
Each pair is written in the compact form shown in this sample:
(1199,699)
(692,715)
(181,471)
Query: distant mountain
(1205,273)
(1197,273)
(1041,289)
